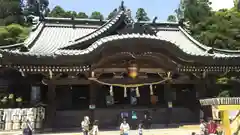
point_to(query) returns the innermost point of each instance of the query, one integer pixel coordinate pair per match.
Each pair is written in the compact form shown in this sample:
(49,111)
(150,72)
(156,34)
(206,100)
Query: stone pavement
(173,131)
(146,132)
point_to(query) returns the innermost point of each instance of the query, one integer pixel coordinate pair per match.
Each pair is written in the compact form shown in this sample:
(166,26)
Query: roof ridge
(105,27)
(33,36)
(70,19)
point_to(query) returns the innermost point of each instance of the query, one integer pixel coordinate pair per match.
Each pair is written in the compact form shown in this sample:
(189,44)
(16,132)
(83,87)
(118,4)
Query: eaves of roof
(92,51)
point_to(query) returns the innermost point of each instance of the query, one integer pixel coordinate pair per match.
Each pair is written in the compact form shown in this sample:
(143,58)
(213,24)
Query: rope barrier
(129,85)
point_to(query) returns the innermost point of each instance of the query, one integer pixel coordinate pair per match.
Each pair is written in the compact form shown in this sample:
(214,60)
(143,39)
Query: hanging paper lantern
(133,71)
(92,74)
(125,91)
(151,90)
(137,92)
(111,91)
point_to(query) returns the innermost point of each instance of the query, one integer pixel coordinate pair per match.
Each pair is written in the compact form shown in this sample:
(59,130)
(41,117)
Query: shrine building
(101,68)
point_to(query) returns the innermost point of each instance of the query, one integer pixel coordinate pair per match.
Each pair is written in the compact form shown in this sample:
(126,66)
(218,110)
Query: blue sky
(159,8)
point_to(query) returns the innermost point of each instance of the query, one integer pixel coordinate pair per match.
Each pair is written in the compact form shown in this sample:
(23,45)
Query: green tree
(96,15)
(57,12)
(82,15)
(69,14)
(172,18)
(221,30)
(217,29)
(36,7)
(141,15)
(10,12)
(194,11)
(237,4)
(111,15)
(12,34)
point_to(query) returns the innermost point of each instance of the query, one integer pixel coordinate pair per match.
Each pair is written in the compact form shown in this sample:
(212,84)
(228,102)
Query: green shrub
(224,93)
(4,34)
(222,80)
(12,34)
(14,30)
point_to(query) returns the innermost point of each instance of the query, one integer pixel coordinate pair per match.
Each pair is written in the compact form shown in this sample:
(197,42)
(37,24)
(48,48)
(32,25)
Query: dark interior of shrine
(76,97)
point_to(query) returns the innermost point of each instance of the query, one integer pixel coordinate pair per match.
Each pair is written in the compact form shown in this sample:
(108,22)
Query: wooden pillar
(51,105)
(93,99)
(200,88)
(168,96)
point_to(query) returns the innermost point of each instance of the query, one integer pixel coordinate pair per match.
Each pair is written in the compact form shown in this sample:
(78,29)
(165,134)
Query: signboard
(92,106)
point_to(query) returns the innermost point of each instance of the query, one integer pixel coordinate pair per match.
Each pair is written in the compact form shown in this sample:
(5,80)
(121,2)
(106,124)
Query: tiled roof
(53,38)
(189,44)
(98,33)
(63,37)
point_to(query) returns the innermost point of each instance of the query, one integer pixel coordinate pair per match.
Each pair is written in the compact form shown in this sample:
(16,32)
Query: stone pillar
(51,105)
(93,99)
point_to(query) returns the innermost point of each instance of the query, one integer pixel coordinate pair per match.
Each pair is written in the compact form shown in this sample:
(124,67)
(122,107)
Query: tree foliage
(60,12)
(172,18)
(96,15)
(82,15)
(36,7)
(219,29)
(12,34)
(141,15)
(10,12)
(57,12)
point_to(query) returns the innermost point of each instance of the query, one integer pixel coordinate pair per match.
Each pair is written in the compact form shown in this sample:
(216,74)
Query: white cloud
(219,4)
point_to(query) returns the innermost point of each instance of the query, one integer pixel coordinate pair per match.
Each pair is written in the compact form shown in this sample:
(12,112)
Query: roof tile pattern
(98,32)
(53,38)
(165,36)
(33,35)
(177,37)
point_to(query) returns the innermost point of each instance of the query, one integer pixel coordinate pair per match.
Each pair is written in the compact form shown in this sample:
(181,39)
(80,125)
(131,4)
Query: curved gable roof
(61,37)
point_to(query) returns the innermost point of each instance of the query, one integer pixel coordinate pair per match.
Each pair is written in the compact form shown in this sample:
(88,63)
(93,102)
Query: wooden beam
(112,70)
(69,81)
